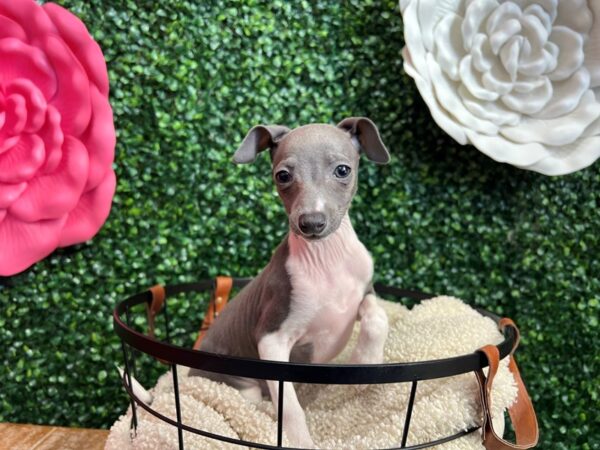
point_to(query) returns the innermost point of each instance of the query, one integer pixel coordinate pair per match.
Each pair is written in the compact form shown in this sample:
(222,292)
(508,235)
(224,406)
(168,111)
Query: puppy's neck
(325,252)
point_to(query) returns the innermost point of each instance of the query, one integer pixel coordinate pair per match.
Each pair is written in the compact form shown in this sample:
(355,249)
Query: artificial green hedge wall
(188,79)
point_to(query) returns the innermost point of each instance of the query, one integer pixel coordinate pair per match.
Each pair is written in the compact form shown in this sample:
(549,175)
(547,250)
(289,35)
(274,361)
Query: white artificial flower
(518,79)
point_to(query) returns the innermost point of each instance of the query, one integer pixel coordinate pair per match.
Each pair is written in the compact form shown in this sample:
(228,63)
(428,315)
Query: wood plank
(16,436)
(39,437)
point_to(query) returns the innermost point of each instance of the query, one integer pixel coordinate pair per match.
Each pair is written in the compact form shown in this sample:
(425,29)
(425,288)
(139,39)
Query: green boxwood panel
(188,79)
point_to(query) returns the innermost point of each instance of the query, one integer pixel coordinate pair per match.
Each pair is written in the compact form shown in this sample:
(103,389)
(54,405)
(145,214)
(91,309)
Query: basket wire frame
(130,346)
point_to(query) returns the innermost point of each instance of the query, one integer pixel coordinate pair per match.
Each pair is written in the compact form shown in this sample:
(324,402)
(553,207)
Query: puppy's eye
(342,171)
(283,176)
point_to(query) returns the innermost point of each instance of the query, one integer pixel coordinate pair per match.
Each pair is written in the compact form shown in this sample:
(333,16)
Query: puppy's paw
(253,394)
(373,333)
(366,357)
(297,432)
(303,442)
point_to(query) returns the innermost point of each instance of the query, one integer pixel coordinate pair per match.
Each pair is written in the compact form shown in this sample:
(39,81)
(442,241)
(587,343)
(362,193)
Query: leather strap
(158,299)
(218,301)
(521,411)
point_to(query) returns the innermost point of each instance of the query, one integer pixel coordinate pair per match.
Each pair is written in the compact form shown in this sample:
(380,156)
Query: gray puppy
(302,307)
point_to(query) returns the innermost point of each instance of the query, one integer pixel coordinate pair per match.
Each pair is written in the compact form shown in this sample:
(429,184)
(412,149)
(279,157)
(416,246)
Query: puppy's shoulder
(276,292)
(276,275)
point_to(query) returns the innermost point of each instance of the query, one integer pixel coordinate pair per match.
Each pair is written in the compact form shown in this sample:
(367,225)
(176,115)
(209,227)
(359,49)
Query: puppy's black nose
(312,223)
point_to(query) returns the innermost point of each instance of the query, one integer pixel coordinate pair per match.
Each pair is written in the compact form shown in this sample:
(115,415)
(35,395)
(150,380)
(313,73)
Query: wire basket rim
(300,372)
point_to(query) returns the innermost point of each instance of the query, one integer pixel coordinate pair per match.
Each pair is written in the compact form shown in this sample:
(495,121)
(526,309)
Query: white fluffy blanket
(346,417)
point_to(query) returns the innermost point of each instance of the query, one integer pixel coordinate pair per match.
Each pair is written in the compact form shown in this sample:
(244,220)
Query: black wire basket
(134,341)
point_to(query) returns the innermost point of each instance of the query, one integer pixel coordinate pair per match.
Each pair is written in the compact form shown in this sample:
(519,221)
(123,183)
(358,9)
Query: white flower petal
(593,129)
(503,33)
(448,47)
(412,37)
(481,51)
(493,111)
(446,94)
(592,47)
(503,150)
(509,55)
(477,11)
(534,31)
(580,21)
(566,95)
(534,59)
(541,14)
(525,54)
(526,84)
(441,117)
(550,6)
(553,52)
(497,80)
(570,56)
(531,102)
(430,12)
(471,80)
(568,158)
(409,67)
(500,15)
(534,67)
(561,131)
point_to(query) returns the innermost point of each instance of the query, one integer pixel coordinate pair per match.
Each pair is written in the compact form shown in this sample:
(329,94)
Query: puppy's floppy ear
(367,134)
(258,139)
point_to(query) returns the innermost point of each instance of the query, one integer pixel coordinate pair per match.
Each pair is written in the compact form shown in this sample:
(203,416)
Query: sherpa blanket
(347,417)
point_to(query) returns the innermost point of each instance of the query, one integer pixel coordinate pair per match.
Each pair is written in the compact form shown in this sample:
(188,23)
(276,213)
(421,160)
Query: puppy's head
(315,168)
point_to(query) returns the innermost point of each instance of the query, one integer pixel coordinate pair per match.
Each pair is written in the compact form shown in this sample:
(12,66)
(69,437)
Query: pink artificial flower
(57,137)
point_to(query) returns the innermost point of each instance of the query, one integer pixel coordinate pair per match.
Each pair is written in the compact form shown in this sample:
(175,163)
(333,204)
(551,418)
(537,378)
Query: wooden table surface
(28,437)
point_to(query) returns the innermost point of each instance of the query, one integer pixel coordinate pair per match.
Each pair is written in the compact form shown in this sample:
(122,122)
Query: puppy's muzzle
(312,224)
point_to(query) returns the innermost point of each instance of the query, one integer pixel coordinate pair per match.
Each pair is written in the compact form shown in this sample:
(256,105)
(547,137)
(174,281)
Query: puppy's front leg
(277,347)
(373,332)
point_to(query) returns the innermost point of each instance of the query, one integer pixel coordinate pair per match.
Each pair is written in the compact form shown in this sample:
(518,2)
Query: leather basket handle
(218,300)
(153,308)
(521,412)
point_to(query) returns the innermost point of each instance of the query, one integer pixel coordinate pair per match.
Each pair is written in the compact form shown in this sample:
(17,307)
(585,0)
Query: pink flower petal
(57,136)
(90,214)
(53,138)
(35,103)
(21,162)
(99,139)
(30,16)
(23,244)
(55,194)
(19,60)
(10,192)
(7,142)
(77,37)
(10,28)
(16,114)
(72,99)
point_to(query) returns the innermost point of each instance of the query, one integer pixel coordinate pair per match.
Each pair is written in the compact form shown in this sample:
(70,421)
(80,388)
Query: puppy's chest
(326,294)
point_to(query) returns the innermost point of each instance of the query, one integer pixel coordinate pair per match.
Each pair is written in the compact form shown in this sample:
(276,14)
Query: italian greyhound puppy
(302,307)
